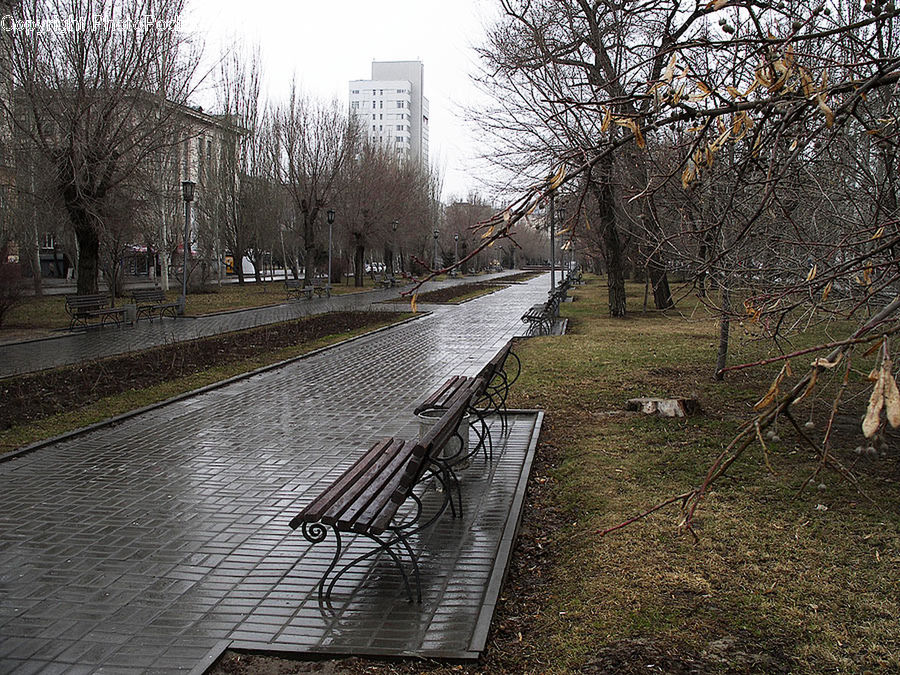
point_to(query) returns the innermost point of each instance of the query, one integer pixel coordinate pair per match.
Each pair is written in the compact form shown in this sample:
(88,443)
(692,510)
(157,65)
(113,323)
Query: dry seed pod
(873,412)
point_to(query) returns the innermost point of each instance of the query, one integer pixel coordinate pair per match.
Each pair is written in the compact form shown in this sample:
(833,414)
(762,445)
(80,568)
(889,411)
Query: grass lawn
(778,581)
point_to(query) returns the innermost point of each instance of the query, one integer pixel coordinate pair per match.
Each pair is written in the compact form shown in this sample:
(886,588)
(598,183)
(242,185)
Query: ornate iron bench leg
(450,481)
(384,546)
(485,442)
(316,533)
(415,561)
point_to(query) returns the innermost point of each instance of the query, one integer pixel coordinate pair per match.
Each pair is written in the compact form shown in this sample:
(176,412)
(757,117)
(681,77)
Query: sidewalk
(158,542)
(74,347)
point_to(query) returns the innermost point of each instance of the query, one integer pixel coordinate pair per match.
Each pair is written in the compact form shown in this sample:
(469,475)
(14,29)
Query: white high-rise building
(392,108)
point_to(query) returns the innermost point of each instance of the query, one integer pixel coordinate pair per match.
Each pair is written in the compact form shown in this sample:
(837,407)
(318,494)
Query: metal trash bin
(428,418)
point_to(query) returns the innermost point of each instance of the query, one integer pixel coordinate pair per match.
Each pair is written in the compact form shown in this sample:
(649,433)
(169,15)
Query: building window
(355,91)
(400,104)
(373,104)
(399,127)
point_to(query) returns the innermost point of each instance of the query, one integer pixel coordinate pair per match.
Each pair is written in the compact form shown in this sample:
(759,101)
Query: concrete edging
(507,542)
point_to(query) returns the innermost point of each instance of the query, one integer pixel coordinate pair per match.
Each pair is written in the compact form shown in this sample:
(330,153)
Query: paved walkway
(74,347)
(158,542)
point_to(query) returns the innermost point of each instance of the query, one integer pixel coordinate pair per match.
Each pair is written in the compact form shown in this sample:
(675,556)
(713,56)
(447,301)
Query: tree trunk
(34,258)
(615,280)
(257,264)
(662,294)
(309,247)
(88,252)
(359,264)
(722,356)
(238,265)
(388,261)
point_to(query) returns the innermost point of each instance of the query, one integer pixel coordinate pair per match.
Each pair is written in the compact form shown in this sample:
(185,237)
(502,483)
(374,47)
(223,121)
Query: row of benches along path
(73,347)
(156,543)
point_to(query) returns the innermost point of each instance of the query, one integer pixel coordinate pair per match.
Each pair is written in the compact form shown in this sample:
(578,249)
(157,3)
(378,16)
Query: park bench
(298,288)
(386,282)
(367,498)
(85,308)
(293,288)
(150,301)
(490,393)
(541,317)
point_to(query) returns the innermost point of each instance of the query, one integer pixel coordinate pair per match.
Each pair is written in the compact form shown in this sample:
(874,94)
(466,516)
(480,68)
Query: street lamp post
(330,215)
(187,193)
(455,252)
(552,241)
(434,258)
(561,214)
(394,225)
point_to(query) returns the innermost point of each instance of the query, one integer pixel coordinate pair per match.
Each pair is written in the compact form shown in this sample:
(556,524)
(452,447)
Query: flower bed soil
(451,294)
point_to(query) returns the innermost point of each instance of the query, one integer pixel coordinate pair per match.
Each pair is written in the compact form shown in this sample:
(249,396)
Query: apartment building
(391,107)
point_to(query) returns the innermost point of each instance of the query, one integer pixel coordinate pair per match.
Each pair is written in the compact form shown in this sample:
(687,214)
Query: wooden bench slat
(444,393)
(340,512)
(495,365)
(375,475)
(376,500)
(314,510)
(382,512)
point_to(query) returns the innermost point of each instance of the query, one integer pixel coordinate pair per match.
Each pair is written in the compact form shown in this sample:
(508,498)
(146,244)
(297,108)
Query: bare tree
(316,141)
(545,61)
(241,165)
(85,84)
(461,219)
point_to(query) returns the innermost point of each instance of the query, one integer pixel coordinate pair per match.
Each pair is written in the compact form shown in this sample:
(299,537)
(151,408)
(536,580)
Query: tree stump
(664,407)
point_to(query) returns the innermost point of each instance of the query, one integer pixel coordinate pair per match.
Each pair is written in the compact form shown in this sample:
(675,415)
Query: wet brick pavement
(153,544)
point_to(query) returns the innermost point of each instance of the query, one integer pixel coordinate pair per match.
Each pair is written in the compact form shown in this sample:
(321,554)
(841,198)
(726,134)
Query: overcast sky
(327,43)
